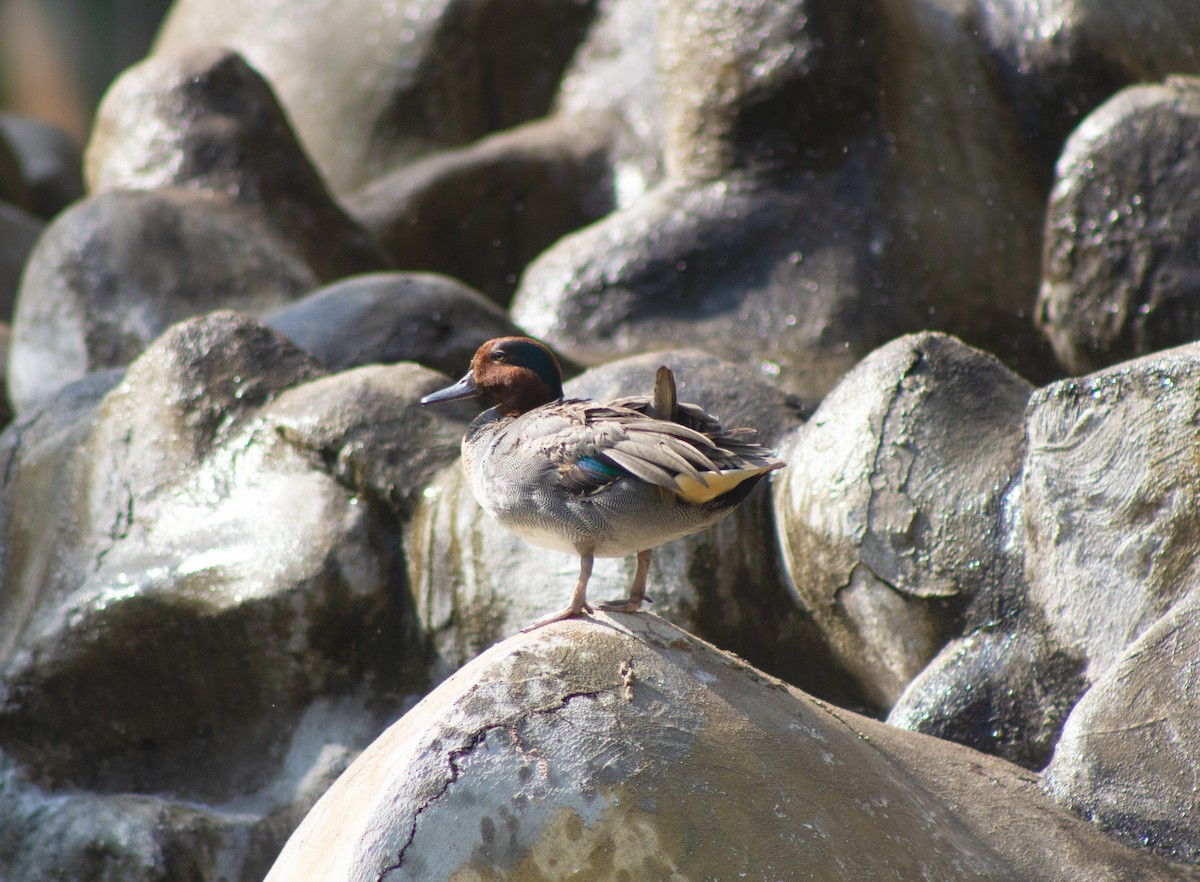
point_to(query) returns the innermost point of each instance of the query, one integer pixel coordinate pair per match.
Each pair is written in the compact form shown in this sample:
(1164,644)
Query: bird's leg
(578,605)
(637,588)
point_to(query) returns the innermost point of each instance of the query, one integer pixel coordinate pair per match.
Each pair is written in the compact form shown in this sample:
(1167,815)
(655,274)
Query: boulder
(803,220)
(389,317)
(1003,688)
(205,120)
(112,272)
(1110,495)
(1121,277)
(482,212)
(1057,64)
(1128,754)
(375,86)
(203,200)
(893,515)
(203,606)
(623,747)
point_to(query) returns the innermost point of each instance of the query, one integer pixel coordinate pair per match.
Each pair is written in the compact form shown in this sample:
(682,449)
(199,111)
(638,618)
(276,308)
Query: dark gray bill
(464,388)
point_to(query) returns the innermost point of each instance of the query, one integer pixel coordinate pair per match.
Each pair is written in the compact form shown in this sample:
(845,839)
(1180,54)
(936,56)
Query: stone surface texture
(596,750)
(940,254)
(881,546)
(1121,276)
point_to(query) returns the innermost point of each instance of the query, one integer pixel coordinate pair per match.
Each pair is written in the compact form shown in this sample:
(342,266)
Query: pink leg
(637,588)
(578,605)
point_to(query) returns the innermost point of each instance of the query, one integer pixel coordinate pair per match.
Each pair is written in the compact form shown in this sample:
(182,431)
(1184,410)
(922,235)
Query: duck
(596,479)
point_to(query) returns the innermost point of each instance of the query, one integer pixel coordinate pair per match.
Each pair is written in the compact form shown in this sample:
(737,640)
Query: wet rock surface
(1121,277)
(234,549)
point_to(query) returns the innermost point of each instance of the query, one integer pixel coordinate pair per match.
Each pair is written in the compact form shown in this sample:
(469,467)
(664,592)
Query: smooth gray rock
(389,317)
(482,212)
(729,263)
(370,86)
(148,837)
(51,163)
(963,189)
(114,271)
(205,120)
(1004,689)
(204,200)
(1128,755)
(804,220)
(203,604)
(625,747)
(893,515)
(476,583)
(1110,492)
(763,85)
(1121,277)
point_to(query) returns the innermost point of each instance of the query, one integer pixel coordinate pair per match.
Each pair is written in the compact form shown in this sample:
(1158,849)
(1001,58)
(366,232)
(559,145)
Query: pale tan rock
(625,746)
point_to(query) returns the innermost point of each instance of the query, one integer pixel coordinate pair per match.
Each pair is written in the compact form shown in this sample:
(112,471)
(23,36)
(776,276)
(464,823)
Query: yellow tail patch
(691,490)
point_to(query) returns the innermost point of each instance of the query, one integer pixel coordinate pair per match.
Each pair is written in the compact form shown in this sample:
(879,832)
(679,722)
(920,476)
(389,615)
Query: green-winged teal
(593,479)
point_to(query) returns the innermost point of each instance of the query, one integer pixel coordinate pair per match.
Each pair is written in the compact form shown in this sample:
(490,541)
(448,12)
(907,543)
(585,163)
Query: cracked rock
(892,516)
(1110,495)
(623,747)
(1128,755)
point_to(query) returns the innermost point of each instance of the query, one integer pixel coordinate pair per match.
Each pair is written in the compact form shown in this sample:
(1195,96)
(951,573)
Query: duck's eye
(499,355)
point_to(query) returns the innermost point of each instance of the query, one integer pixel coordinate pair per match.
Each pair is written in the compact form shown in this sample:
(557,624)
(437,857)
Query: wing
(605,443)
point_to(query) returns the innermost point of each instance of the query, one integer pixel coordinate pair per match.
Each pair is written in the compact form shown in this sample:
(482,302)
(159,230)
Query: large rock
(1004,688)
(1111,479)
(482,212)
(804,221)
(892,516)
(1128,755)
(205,120)
(389,317)
(729,263)
(372,86)
(1121,275)
(1058,62)
(114,271)
(203,200)
(203,573)
(626,748)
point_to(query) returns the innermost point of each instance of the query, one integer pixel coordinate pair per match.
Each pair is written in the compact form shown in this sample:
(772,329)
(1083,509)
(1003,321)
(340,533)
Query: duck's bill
(464,388)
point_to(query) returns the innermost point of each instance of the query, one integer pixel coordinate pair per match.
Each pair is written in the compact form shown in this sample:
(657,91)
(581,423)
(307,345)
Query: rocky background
(944,255)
